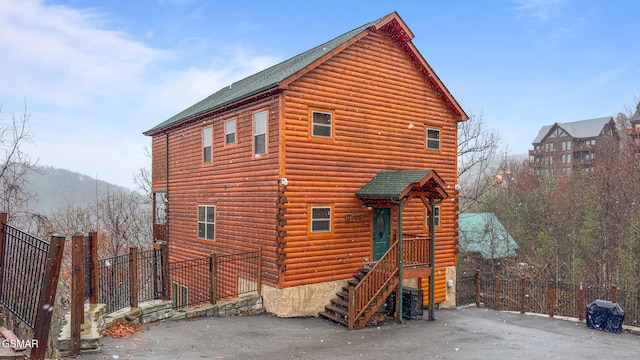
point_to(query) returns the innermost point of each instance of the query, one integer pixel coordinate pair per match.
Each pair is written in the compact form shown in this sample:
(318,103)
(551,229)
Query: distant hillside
(55,188)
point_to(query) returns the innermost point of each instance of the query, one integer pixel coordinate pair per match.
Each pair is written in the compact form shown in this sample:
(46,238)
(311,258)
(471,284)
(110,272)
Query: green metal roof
(484,233)
(264,80)
(393,184)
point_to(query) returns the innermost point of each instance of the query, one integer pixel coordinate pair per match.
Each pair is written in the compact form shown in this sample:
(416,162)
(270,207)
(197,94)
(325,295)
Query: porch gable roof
(398,185)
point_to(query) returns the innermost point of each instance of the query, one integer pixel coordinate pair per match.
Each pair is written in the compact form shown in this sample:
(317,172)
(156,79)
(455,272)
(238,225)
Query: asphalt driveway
(469,333)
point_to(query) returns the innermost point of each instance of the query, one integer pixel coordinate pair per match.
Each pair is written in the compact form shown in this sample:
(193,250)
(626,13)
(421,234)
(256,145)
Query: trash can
(605,315)
(411,303)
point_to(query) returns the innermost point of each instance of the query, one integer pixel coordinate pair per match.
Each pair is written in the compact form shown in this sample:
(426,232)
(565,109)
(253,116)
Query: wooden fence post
(581,305)
(47,297)
(259,280)
(552,297)
(166,281)
(133,277)
(213,264)
(77,292)
(523,296)
(496,295)
(614,293)
(95,279)
(478,297)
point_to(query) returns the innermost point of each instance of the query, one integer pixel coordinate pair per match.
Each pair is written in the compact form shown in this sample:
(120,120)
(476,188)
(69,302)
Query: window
(436,217)
(321,124)
(160,200)
(206,222)
(433,139)
(230,132)
(260,133)
(320,219)
(207,139)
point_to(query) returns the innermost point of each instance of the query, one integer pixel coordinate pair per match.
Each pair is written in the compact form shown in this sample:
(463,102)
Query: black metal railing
(213,278)
(25,260)
(115,279)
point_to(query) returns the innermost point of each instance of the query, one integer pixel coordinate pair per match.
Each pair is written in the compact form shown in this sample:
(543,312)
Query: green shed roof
(484,233)
(394,185)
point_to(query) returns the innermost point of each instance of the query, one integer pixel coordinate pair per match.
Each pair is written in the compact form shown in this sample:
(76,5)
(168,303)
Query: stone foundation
(303,300)
(450,279)
(94,323)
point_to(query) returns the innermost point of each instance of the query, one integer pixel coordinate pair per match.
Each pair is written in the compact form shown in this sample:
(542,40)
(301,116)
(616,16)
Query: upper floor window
(320,219)
(433,139)
(436,217)
(206,222)
(230,132)
(260,133)
(321,124)
(207,141)
(160,202)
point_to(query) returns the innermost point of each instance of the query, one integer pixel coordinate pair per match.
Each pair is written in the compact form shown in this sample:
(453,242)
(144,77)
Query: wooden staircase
(363,295)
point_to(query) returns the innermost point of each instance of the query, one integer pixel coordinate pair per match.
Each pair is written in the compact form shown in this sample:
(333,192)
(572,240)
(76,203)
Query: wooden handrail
(363,294)
(415,250)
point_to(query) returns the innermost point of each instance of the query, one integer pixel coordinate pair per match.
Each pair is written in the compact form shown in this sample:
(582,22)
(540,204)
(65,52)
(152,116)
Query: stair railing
(364,293)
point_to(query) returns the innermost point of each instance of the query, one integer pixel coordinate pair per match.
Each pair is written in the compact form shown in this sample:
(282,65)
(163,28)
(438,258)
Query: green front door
(380,232)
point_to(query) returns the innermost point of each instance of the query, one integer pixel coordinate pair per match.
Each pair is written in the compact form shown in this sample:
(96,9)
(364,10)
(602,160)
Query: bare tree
(15,164)
(477,160)
(142,178)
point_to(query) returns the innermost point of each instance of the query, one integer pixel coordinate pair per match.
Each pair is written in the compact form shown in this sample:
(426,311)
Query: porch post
(400,262)
(432,260)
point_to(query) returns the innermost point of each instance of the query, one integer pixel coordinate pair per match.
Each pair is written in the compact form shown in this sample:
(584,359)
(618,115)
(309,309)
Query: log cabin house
(334,162)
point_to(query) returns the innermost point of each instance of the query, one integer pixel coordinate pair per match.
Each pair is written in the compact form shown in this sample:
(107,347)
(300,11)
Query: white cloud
(92,91)
(540,9)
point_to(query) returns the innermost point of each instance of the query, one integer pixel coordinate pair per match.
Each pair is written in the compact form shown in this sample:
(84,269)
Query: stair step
(337,310)
(340,303)
(334,318)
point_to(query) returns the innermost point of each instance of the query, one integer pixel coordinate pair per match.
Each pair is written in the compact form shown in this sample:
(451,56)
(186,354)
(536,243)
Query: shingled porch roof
(403,184)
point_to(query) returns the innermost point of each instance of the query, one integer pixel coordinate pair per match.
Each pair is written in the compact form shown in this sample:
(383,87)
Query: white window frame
(320,125)
(228,131)
(207,145)
(313,221)
(436,216)
(433,141)
(260,127)
(204,221)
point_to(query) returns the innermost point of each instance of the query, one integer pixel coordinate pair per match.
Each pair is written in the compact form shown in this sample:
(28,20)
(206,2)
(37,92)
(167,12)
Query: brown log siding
(382,106)
(243,189)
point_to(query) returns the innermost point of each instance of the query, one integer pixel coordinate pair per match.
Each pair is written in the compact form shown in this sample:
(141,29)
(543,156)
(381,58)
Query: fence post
(213,262)
(523,297)
(478,298)
(77,291)
(496,295)
(133,277)
(47,296)
(581,305)
(614,293)
(3,246)
(259,280)
(166,282)
(552,297)
(95,282)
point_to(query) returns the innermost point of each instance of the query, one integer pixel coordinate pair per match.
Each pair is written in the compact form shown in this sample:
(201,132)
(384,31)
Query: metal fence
(25,259)
(562,299)
(114,279)
(213,278)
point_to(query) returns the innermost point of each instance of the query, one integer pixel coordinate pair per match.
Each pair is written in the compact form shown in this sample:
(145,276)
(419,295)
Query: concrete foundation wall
(303,300)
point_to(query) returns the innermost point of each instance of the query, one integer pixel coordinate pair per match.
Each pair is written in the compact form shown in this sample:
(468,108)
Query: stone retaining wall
(149,311)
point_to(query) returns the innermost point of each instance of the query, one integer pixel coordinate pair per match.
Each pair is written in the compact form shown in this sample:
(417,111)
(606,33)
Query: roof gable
(281,75)
(577,129)
(396,185)
(485,234)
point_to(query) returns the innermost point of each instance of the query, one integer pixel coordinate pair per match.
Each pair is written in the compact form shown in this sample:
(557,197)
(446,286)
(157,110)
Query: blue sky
(96,74)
